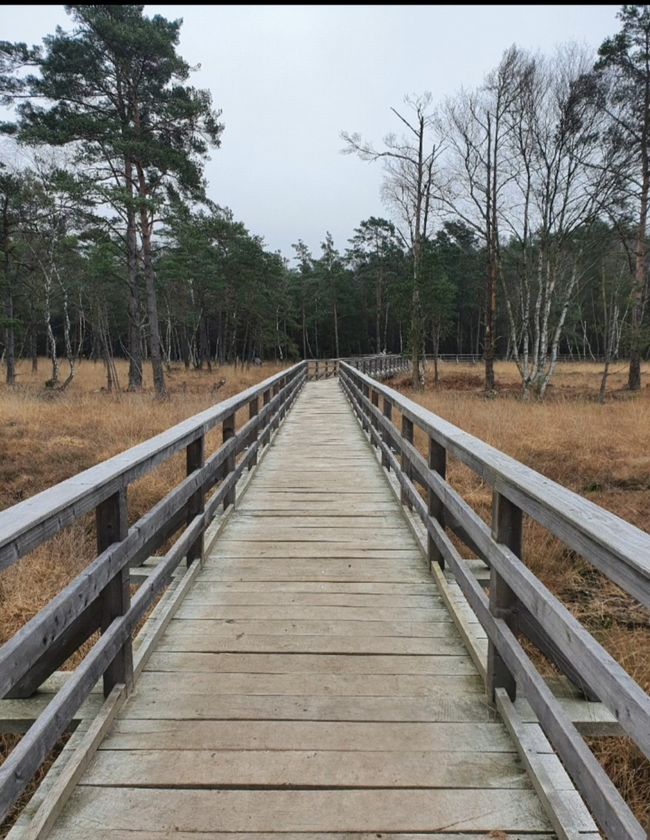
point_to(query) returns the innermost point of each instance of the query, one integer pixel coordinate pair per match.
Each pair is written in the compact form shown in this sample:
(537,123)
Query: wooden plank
(155,683)
(196,610)
(78,833)
(183,705)
(286,627)
(174,810)
(133,734)
(297,663)
(204,593)
(398,588)
(302,769)
(314,569)
(201,640)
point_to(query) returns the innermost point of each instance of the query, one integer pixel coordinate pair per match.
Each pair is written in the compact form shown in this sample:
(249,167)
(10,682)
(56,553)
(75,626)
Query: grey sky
(288,79)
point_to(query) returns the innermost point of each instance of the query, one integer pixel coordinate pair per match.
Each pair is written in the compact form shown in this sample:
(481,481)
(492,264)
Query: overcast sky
(289,79)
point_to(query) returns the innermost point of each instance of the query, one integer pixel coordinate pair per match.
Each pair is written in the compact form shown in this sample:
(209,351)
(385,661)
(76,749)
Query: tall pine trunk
(135,347)
(10,336)
(150,284)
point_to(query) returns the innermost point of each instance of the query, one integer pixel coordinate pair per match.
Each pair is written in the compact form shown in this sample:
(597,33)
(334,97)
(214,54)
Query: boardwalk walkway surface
(312,683)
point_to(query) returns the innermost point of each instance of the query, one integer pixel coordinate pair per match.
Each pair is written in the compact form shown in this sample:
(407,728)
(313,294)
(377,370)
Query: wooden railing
(99,598)
(380,366)
(518,603)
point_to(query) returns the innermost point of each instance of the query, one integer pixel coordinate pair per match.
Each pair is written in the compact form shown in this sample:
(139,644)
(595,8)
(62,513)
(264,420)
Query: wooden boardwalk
(312,683)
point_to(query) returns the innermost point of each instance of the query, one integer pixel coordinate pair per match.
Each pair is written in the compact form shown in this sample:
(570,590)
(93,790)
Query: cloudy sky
(289,79)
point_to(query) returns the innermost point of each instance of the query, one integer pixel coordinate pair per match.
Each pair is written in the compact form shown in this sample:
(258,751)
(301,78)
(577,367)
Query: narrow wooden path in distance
(312,683)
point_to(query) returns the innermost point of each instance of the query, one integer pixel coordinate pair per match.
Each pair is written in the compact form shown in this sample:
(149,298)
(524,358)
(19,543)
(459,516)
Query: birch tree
(558,184)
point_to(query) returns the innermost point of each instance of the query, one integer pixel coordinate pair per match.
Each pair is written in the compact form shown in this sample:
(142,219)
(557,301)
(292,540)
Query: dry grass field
(599,451)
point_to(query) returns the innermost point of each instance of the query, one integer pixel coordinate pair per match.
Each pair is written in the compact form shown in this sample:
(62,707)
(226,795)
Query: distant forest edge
(519,217)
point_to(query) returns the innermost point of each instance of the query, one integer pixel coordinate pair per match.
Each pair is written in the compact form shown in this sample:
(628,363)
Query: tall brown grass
(46,437)
(601,452)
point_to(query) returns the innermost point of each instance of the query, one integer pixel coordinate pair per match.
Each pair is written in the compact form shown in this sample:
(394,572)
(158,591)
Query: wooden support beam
(253,411)
(437,462)
(507,530)
(228,431)
(112,526)
(388,413)
(195,459)
(374,396)
(407,434)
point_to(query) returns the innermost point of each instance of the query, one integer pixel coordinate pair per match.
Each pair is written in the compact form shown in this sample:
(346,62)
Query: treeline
(519,208)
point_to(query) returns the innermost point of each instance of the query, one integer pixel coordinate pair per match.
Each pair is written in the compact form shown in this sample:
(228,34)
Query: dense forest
(516,217)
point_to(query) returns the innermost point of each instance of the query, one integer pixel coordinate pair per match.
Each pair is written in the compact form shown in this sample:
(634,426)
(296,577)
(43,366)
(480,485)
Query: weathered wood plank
(287,612)
(301,810)
(183,705)
(346,736)
(155,683)
(301,769)
(297,663)
(204,593)
(201,640)
(79,833)
(287,627)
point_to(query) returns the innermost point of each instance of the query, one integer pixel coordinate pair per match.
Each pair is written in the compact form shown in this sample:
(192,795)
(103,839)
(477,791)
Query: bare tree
(557,184)
(473,183)
(409,168)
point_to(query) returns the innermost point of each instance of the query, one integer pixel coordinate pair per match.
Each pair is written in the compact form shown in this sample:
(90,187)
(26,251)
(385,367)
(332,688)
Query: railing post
(407,434)
(506,529)
(437,462)
(253,411)
(364,421)
(327,368)
(195,459)
(317,364)
(112,525)
(374,396)
(276,391)
(228,432)
(388,414)
(266,399)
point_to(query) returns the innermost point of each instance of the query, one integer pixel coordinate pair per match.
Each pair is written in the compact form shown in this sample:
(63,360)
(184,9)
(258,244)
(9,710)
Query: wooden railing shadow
(518,604)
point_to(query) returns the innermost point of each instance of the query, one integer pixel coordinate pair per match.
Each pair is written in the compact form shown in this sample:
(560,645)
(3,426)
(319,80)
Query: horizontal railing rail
(518,603)
(99,598)
(379,366)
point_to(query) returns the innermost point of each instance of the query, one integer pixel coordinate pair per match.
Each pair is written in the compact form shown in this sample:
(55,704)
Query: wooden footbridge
(321,663)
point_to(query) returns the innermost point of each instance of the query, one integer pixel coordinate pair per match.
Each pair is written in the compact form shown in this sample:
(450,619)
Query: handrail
(380,365)
(27,524)
(99,598)
(518,602)
(617,548)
